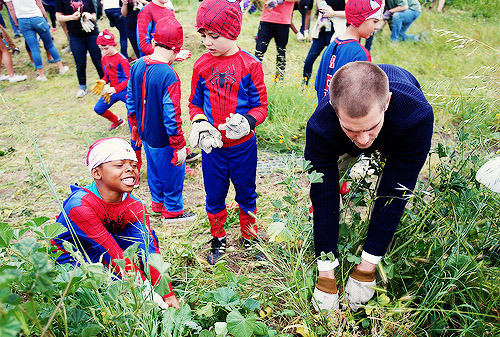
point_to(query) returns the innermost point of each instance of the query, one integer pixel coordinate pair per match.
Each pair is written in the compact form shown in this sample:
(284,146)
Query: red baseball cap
(220,16)
(358,11)
(169,32)
(106,38)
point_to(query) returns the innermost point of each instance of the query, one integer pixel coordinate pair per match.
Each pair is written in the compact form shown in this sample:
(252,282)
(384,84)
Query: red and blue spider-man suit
(221,86)
(102,230)
(146,25)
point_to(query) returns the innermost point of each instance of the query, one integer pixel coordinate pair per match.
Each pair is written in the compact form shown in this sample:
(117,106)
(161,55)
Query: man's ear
(388,101)
(96,173)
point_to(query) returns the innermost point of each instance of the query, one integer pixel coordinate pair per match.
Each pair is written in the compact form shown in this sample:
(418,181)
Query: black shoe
(184,217)
(249,245)
(218,249)
(193,156)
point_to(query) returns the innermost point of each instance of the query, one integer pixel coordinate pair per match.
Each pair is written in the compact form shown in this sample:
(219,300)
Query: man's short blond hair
(357,86)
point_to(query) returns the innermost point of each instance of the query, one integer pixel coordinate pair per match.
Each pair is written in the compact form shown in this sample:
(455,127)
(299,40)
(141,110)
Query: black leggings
(279,32)
(52,13)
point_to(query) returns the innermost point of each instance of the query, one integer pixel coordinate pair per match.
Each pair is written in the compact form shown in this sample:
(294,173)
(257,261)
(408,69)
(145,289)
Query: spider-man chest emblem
(220,78)
(112,225)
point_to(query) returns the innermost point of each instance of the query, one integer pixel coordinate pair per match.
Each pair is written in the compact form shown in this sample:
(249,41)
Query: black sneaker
(249,245)
(217,250)
(193,156)
(184,217)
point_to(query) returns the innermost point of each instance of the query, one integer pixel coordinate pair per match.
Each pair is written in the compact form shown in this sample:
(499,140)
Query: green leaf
(91,331)
(315,177)
(37,222)
(156,260)
(305,165)
(288,313)
(277,203)
(251,304)
(6,234)
(278,232)
(260,329)
(441,150)
(205,311)
(205,333)
(9,325)
(54,229)
(220,329)
(354,259)
(27,246)
(240,326)
(226,297)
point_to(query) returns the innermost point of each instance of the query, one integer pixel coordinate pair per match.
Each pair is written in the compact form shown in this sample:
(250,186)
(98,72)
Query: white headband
(109,149)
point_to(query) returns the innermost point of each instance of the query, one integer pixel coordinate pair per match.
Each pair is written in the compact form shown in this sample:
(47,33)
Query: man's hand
(205,136)
(135,136)
(236,126)
(325,296)
(98,87)
(359,288)
(179,156)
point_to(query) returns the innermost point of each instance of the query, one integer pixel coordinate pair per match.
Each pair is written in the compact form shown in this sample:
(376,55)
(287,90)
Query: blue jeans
(29,28)
(79,46)
(401,21)
(116,19)
(317,47)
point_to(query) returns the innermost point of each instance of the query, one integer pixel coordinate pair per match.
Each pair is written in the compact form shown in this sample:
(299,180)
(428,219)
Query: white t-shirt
(108,4)
(25,8)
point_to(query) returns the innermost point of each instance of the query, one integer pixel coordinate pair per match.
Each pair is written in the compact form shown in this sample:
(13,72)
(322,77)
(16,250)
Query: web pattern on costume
(217,17)
(223,85)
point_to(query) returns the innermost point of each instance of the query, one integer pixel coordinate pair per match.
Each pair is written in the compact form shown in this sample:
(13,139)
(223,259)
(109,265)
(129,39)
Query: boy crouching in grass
(228,99)
(104,219)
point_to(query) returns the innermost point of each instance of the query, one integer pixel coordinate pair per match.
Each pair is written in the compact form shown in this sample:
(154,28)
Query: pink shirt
(280,14)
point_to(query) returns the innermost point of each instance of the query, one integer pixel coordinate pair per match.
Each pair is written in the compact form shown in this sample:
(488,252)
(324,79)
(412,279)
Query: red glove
(135,136)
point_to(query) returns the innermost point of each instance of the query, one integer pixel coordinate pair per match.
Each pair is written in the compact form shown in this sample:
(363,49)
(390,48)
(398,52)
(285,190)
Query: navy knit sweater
(405,138)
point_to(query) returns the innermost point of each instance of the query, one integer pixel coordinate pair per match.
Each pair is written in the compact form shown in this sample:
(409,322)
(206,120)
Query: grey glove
(237,126)
(359,288)
(274,3)
(325,296)
(205,136)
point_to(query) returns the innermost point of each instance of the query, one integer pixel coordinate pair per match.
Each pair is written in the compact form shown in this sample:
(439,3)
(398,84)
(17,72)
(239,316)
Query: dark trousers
(132,37)
(79,46)
(317,47)
(116,19)
(52,13)
(278,32)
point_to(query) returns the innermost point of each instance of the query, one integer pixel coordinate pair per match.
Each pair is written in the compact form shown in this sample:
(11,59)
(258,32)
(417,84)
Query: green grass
(441,275)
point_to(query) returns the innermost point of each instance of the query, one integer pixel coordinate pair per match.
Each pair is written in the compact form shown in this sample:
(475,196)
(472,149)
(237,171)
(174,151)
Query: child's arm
(196,98)
(258,94)
(143,21)
(172,115)
(125,67)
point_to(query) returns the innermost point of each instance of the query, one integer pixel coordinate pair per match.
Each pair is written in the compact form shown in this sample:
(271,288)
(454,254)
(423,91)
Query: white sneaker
(4,77)
(17,78)
(80,93)
(41,78)
(66,49)
(64,70)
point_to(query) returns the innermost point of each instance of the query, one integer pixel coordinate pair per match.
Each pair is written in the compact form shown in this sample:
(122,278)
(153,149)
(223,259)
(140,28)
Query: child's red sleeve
(172,115)
(143,20)
(258,94)
(126,69)
(196,97)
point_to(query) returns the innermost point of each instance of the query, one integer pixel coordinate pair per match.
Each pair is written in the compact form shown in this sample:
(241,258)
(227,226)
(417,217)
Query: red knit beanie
(105,38)
(358,11)
(169,33)
(220,16)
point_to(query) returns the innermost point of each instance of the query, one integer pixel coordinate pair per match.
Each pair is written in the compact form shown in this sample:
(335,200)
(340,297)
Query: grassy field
(441,277)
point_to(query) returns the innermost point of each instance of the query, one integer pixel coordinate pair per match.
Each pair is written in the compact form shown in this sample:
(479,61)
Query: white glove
(359,288)
(236,126)
(179,156)
(205,136)
(325,296)
(149,294)
(86,21)
(273,3)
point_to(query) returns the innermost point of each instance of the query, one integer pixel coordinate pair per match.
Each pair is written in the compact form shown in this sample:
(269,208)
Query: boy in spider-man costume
(228,99)
(154,108)
(147,19)
(103,219)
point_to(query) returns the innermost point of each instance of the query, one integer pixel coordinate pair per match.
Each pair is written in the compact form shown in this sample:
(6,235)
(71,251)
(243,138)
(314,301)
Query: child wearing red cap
(154,109)
(147,20)
(116,72)
(103,219)
(362,18)
(228,99)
